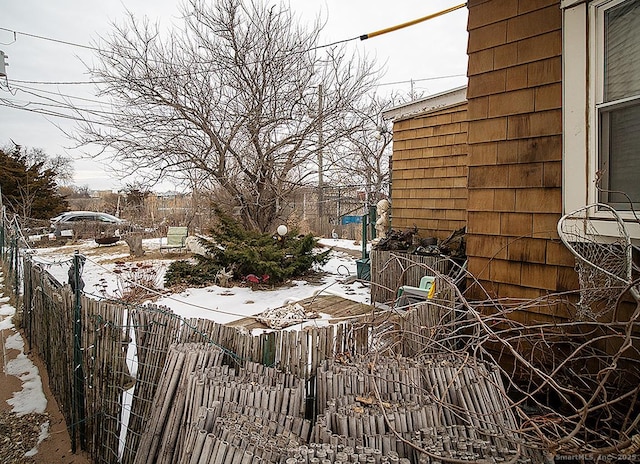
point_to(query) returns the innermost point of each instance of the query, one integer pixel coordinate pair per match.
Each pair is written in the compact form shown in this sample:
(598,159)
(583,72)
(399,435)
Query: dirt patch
(19,434)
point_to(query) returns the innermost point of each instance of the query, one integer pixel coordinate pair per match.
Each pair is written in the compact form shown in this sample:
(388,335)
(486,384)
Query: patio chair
(176,237)
(408,294)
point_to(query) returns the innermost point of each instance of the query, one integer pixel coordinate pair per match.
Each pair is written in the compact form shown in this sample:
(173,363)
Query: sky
(429,58)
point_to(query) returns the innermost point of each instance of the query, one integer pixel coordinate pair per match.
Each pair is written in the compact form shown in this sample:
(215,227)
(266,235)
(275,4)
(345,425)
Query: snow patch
(31,398)
(6,313)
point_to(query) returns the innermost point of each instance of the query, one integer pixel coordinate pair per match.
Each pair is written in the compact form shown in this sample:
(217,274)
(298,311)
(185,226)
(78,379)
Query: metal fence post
(77,410)
(16,275)
(2,233)
(12,258)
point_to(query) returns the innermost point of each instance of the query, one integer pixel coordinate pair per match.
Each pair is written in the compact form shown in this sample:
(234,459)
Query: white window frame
(582,58)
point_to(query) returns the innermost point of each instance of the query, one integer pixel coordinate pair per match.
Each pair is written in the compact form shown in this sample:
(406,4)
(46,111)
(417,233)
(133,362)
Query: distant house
(430,163)
(547,112)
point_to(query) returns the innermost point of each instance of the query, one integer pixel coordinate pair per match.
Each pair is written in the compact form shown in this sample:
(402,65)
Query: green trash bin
(363,268)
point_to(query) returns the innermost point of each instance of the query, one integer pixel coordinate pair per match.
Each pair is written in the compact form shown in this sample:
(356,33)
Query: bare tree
(62,166)
(231,94)
(363,156)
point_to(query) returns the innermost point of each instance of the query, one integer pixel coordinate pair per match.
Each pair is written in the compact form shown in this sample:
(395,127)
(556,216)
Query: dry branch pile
(575,384)
(572,384)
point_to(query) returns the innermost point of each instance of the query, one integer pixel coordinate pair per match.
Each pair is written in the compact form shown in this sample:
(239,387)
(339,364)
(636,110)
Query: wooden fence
(105,358)
(392,269)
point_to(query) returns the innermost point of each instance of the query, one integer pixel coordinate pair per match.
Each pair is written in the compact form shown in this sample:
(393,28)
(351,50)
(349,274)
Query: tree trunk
(135,245)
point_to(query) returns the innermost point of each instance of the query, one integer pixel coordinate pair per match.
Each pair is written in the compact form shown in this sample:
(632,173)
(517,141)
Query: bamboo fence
(392,269)
(441,404)
(124,351)
(47,318)
(382,410)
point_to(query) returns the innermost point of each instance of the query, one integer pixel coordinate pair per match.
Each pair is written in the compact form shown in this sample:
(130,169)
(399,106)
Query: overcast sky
(423,53)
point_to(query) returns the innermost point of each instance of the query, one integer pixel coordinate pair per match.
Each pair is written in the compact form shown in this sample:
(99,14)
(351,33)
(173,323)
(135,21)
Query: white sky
(423,53)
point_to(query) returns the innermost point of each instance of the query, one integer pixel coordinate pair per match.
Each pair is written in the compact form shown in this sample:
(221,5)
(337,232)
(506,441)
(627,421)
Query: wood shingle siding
(493,163)
(430,164)
(515,149)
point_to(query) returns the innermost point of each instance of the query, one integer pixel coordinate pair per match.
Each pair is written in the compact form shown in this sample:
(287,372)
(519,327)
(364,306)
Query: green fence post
(12,258)
(364,236)
(2,236)
(77,410)
(269,350)
(16,276)
(363,265)
(373,217)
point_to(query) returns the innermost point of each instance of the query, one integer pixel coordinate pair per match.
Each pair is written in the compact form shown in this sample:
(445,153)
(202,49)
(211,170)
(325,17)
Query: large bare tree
(230,98)
(363,155)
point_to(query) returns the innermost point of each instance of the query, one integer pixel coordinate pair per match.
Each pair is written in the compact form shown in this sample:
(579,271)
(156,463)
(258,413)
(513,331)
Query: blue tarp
(351,220)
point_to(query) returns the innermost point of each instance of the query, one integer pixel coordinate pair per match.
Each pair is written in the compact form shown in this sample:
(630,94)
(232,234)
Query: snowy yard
(104,276)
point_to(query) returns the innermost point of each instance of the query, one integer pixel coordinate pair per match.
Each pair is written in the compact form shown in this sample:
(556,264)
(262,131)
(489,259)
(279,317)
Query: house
(552,105)
(430,157)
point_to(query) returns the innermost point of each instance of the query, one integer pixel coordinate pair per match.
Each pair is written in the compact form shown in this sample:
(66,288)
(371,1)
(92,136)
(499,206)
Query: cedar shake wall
(429,176)
(515,149)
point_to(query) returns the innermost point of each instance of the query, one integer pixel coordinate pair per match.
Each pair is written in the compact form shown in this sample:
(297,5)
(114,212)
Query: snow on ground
(342,243)
(103,276)
(31,398)
(213,302)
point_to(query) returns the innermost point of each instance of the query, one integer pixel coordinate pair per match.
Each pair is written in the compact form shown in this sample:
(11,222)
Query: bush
(198,274)
(272,259)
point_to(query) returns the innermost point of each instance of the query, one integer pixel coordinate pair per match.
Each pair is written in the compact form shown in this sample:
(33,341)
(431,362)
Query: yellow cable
(411,23)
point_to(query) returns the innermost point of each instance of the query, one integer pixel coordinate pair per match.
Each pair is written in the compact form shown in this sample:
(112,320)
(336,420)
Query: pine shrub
(272,259)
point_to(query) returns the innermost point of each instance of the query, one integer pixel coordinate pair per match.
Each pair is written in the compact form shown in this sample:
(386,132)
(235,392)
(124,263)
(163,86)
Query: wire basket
(598,238)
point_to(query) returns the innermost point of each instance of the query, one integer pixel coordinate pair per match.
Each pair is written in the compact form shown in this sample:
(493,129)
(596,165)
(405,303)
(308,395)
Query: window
(601,103)
(618,102)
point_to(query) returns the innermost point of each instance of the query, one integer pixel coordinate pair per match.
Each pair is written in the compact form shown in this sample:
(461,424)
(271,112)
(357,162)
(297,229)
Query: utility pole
(320,159)
(3,69)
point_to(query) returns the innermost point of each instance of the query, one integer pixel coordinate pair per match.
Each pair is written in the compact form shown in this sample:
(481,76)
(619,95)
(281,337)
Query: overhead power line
(44,112)
(19,81)
(33,90)
(65,42)
(50,39)
(407,81)
(435,78)
(361,37)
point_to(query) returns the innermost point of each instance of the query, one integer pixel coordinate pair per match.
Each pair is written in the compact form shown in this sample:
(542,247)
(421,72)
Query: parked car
(87,224)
